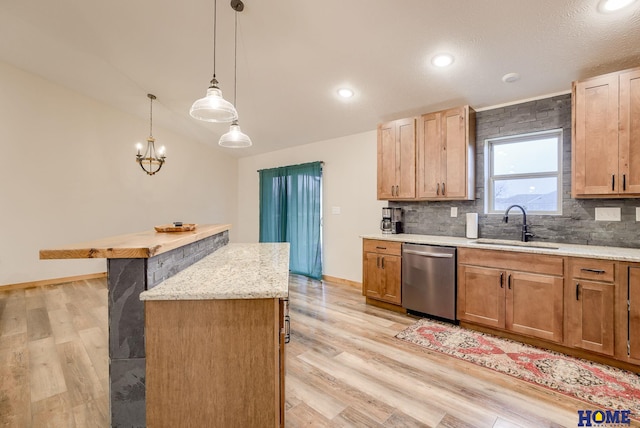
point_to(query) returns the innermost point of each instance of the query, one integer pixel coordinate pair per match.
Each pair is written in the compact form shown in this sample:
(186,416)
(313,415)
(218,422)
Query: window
(524,170)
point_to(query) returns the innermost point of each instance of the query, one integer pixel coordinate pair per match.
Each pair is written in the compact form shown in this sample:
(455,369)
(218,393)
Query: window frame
(490,177)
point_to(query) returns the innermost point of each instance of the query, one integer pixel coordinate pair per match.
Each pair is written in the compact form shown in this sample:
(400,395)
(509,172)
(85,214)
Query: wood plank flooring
(344,367)
(54,365)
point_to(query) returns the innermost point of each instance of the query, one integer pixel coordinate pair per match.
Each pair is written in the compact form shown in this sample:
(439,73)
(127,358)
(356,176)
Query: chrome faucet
(525,227)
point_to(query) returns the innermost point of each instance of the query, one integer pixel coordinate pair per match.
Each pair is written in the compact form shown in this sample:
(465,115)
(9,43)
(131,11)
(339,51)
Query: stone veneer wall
(127,278)
(577,223)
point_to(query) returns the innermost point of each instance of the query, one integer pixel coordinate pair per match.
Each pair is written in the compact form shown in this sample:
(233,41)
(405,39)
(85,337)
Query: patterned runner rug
(603,386)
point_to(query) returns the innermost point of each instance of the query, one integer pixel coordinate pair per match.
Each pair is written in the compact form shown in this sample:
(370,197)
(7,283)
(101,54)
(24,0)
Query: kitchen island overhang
(137,262)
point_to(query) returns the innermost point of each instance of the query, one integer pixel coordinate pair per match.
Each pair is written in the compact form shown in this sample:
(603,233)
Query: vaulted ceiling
(293,55)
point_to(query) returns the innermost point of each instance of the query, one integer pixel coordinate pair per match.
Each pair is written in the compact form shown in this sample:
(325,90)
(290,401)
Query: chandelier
(150,162)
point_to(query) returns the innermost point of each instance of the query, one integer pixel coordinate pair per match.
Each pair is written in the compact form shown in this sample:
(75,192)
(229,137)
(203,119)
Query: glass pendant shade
(213,108)
(235,138)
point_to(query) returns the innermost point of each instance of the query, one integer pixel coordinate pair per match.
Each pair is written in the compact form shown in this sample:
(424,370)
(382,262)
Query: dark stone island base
(127,278)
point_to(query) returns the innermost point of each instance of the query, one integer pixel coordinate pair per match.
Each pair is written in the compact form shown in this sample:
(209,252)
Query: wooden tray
(172,228)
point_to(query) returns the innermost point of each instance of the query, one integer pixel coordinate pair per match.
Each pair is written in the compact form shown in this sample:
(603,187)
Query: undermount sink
(512,243)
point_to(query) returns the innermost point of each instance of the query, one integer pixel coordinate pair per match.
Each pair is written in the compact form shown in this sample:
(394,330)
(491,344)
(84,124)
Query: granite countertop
(133,245)
(235,271)
(552,248)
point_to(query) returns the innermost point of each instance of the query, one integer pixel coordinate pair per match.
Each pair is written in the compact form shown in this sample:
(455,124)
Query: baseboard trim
(54,281)
(341,281)
(385,305)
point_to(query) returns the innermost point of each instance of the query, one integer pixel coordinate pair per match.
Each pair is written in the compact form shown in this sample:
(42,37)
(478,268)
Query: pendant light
(150,162)
(235,138)
(213,108)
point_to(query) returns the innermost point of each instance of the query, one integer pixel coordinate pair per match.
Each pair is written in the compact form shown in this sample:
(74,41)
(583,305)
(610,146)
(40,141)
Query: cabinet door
(454,175)
(481,295)
(634,313)
(429,151)
(629,132)
(386,160)
(371,276)
(591,316)
(534,305)
(390,273)
(406,159)
(397,159)
(595,136)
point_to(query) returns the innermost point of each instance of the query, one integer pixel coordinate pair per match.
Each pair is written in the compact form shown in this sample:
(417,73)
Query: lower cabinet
(382,270)
(215,363)
(590,300)
(517,292)
(633,313)
(628,314)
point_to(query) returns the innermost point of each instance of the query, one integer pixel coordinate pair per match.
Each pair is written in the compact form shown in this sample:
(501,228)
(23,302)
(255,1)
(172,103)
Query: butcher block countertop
(235,271)
(140,245)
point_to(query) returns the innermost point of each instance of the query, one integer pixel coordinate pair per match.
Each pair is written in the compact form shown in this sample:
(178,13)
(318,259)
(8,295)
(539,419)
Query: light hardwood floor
(344,367)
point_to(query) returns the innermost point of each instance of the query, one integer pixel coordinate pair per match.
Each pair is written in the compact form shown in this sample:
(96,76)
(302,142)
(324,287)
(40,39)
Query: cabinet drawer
(382,247)
(598,270)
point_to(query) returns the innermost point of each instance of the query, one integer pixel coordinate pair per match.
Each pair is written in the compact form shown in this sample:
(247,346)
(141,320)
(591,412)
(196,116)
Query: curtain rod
(321,163)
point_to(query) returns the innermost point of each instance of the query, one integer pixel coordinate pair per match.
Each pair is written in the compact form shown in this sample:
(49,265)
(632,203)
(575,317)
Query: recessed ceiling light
(442,60)
(607,6)
(345,92)
(510,77)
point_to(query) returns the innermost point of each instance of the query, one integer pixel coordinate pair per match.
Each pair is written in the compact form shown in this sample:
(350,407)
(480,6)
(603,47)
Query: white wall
(349,182)
(68,174)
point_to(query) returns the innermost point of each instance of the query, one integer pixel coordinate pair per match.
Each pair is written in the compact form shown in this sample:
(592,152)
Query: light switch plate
(335,210)
(608,214)
(454,211)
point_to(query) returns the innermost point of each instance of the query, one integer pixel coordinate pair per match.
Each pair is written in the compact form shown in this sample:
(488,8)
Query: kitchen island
(215,340)
(137,262)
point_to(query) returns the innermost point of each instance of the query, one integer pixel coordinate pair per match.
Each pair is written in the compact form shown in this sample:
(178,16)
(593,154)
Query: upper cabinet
(606,136)
(397,159)
(444,148)
(445,154)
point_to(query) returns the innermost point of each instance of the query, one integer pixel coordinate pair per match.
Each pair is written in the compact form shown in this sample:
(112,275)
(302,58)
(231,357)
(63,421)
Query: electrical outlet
(454,211)
(637,213)
(607,214)
(335,210)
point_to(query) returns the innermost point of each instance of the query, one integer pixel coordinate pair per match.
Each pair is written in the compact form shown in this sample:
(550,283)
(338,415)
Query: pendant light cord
(235,62)
(215,18)
(151,97)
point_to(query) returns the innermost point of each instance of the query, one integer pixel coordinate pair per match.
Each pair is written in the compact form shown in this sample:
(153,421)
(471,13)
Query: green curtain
(290,198)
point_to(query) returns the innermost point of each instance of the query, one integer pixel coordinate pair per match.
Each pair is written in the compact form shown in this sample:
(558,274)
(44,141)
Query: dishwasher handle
(433,255)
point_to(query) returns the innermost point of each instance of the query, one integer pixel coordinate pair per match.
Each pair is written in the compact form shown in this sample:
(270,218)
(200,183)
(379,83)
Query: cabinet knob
(577,291)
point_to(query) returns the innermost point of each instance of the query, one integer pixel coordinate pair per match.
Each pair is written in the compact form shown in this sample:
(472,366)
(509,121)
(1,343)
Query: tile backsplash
(576,225)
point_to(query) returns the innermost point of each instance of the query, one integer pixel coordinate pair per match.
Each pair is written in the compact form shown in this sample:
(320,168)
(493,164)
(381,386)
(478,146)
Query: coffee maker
(391,220)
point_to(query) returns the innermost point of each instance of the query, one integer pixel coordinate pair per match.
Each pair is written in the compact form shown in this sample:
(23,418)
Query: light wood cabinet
(633,313)
(605,161)
(517,292)
(382,270)
(481,296)
(396,159)
(446,155)
(590,300)
(206,359)
(627,323)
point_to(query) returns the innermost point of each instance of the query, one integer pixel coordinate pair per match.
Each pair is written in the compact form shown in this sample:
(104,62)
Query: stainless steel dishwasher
(429,280)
